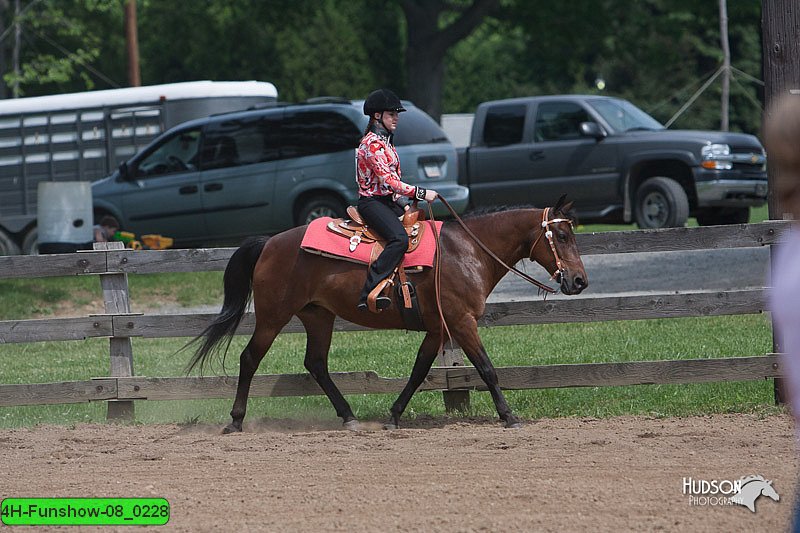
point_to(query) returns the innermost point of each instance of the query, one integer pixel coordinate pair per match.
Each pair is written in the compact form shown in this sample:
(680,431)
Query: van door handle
(211,187)
(188,189)
(536,156)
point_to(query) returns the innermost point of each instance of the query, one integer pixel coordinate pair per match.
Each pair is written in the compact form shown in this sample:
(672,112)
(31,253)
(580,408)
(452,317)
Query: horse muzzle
(572,283)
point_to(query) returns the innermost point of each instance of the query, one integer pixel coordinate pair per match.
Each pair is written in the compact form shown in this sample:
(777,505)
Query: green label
(84,511)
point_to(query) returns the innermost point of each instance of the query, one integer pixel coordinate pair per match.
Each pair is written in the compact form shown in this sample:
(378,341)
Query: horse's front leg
(425,357)
(465,332)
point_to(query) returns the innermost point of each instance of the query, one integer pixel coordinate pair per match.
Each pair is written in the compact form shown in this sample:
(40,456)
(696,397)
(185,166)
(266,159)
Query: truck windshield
(624,116)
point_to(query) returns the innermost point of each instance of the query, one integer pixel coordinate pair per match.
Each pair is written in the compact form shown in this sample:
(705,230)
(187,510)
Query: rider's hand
(430,195)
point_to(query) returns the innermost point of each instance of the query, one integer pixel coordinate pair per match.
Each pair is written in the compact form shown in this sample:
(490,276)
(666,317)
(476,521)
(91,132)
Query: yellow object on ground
(156,242)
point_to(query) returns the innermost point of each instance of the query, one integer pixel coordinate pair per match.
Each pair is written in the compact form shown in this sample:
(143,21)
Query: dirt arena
(435,475)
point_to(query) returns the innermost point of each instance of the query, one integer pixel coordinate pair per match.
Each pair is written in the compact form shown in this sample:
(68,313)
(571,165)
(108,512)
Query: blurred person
(105,229)
(380,186)
(782,141)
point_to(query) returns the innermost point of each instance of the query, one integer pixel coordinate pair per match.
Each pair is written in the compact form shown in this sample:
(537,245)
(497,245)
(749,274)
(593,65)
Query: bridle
(546,223)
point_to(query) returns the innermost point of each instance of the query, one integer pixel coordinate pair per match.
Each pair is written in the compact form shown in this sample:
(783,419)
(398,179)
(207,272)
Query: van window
(317,132)
(177,153)
(417,127)
(559,121)
(504,125)
(239,142)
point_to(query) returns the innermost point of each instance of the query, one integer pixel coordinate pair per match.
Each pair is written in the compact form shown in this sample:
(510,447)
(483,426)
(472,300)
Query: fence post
(116,301)
(456,400)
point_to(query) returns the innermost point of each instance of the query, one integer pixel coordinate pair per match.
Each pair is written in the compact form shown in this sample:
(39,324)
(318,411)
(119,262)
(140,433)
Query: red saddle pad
(318,239)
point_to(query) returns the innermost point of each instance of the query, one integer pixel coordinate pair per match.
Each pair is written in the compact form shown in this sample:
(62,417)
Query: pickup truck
(617,163)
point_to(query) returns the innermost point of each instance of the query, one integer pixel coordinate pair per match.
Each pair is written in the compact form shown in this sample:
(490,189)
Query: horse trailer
(86,136)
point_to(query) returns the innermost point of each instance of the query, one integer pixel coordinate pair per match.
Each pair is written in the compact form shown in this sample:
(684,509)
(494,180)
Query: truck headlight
(716,157)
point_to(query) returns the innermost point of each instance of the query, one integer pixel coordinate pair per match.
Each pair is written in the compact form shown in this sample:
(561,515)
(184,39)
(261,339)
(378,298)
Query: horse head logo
(751,488)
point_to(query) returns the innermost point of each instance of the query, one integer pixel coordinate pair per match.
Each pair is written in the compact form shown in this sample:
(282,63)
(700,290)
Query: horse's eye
(562,236)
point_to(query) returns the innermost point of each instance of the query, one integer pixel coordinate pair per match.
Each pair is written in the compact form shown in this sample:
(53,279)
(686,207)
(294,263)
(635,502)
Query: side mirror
(123,170)
(592,129)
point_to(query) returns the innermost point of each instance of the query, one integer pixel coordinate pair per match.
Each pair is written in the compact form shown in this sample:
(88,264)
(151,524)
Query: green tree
(325,56)
(60,45)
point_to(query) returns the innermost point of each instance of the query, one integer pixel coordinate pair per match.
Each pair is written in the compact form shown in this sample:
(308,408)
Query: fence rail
(119,325)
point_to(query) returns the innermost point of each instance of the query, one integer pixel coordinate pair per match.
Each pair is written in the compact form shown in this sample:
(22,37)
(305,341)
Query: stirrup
(375,301)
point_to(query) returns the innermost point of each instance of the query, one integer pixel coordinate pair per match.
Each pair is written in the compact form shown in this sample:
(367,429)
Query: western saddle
(357,232)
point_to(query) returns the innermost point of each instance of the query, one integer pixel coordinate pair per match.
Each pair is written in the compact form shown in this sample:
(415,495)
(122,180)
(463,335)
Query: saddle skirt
(349,240)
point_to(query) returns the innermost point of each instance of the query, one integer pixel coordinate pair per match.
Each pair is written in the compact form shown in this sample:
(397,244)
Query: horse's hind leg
(465,333)
(425,357)
(249,360)
(318,322)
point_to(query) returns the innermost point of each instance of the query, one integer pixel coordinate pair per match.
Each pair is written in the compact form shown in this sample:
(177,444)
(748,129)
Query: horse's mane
(491,209)
(748,479)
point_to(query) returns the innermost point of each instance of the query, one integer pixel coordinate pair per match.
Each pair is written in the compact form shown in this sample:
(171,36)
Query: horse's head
(768,490)
(555,249)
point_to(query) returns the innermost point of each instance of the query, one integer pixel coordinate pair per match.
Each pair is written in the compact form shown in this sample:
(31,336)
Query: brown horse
(286,281)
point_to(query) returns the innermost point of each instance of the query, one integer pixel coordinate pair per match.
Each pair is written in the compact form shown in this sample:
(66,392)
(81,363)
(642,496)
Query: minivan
(219,179)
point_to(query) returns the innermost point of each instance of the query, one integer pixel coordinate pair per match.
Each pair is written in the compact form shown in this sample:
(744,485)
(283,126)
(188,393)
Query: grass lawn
(390,354)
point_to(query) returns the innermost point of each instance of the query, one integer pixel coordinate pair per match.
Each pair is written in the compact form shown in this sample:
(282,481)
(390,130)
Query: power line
(19,16)
(694,97)
(77,59)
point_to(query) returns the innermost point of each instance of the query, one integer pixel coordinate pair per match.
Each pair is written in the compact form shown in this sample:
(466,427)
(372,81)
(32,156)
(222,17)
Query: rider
(379,186)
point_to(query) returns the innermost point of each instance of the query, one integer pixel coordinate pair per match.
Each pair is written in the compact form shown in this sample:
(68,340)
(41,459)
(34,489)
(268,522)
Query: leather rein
(546,231)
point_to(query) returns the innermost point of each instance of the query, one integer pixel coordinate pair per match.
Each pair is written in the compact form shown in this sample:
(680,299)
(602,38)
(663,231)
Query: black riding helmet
(382,100)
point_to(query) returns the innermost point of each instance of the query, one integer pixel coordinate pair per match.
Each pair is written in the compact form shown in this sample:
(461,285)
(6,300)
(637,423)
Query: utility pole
(726,64)
(780,34)
(15,53)
(132,44)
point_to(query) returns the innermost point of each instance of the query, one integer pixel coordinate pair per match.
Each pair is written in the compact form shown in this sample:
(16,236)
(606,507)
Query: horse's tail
(238,282)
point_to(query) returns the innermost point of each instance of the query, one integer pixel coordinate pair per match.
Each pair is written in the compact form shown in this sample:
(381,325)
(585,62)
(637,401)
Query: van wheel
(30,244)
(7,245)
(661,203)
(320,206)
(719,216)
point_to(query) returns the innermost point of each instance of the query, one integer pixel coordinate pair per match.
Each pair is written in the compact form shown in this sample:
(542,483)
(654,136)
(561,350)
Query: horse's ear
(560,202)
(566,208)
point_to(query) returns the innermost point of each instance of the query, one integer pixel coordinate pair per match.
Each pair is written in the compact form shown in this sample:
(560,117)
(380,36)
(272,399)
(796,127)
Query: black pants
(381,214)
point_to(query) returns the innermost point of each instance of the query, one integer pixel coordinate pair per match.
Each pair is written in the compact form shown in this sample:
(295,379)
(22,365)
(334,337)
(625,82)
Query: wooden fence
(118,324)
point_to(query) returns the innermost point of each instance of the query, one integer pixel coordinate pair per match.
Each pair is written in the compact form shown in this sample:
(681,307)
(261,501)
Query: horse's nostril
(579,282)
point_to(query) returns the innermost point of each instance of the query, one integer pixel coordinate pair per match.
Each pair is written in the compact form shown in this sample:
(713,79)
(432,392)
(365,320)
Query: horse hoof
(352,425)
(230,428)
(513,425)
(390,426)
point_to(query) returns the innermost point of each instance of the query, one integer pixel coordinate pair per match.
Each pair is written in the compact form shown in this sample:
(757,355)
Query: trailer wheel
(7,245)
(30,244)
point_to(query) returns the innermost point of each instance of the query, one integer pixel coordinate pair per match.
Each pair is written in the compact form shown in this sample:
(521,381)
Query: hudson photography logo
(743,491)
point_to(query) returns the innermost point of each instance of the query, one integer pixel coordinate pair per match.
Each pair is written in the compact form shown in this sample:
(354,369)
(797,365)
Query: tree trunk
(427,46)
(780,24)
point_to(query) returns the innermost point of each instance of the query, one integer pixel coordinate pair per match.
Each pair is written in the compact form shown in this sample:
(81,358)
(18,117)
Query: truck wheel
(719,216)
(661,203)
(7,245)
(320,206)
(30,244)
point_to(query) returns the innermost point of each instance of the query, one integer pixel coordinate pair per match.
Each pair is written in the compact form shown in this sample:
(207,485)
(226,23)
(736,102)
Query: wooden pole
(780,31)
(16,50)
(726,64)
(116,301)
(132,44)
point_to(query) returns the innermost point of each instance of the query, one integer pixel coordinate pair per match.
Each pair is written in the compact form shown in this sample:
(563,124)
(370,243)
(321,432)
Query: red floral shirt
(378,168)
